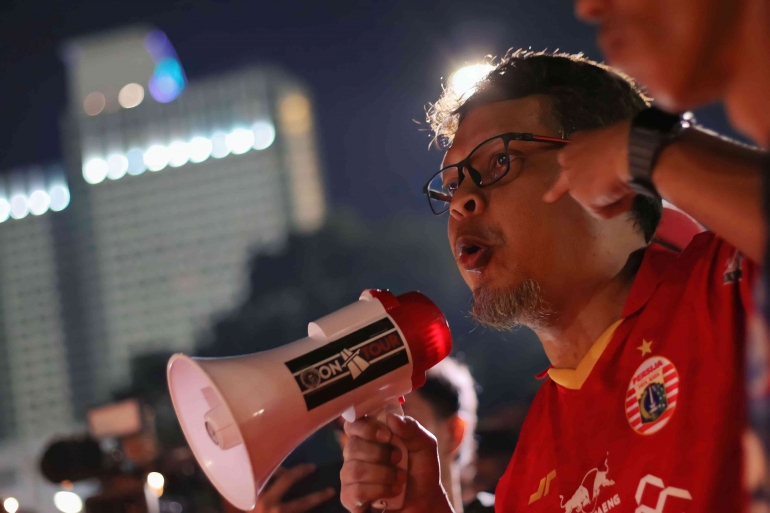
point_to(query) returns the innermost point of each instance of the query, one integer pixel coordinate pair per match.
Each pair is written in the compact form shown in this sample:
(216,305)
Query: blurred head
(525,260)
(682,50)
(446,406)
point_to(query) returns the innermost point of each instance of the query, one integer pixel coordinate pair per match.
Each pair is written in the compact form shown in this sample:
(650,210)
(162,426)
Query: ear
(456,428)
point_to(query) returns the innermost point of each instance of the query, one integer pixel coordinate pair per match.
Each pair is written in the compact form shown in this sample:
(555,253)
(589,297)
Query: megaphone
(243,415)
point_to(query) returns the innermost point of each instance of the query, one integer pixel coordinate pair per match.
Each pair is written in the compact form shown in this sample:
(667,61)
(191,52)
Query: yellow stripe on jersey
(574,378)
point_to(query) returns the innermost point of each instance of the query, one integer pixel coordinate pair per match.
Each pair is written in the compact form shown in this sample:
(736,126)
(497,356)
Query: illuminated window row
(178,153)
(37,202)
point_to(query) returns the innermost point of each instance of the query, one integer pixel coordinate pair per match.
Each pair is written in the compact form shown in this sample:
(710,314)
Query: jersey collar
(654,263)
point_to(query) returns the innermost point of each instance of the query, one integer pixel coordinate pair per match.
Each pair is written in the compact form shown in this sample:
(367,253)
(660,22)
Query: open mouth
(472,254)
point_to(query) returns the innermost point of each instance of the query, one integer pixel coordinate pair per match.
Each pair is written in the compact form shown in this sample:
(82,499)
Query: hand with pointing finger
(594,171)
(271,498)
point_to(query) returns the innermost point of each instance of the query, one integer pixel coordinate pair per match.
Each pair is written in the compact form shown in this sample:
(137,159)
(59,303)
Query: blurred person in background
(689,53)
(446,405)
(643,406)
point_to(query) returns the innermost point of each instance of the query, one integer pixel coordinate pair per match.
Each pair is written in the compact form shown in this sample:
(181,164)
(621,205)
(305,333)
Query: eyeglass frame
(465,163)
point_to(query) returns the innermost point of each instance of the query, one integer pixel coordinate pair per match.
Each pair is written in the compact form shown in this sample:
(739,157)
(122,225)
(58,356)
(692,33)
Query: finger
(415,437)
(364,494)
(369,429)
(285,481)
(558,190)
(362,472)
(372,452)
(308,502)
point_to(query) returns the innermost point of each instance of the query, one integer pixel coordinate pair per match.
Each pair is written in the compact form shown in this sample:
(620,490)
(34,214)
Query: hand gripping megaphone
(243,415)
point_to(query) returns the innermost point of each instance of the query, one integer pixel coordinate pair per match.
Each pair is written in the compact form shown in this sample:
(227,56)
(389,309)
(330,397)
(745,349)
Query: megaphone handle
(397,502)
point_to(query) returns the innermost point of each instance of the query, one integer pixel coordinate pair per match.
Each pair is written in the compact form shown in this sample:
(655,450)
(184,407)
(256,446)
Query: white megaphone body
(243,415)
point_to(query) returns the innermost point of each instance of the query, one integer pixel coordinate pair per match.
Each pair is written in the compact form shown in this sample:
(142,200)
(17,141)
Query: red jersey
(652,418)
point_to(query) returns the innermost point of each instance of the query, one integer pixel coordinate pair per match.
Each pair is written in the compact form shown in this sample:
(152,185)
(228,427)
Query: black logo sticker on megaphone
(349,362)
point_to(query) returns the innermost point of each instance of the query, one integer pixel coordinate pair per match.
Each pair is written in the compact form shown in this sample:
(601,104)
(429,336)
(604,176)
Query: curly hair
(583,94)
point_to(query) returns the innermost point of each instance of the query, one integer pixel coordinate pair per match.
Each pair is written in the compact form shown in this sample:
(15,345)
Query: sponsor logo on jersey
(664,494)
(348,362)
(652,395)
(586,497)
(733,271)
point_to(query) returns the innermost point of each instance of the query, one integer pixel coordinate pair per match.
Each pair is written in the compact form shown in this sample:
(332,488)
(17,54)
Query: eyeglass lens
(485,166)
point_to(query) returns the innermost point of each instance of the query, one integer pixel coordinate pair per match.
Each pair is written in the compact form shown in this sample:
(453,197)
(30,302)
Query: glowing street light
(463,81)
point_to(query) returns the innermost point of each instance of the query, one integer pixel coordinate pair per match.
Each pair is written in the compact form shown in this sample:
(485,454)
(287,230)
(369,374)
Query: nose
(591,10)
(467,201)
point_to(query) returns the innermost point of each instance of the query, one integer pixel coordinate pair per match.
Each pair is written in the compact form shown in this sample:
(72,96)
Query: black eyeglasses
(489,162)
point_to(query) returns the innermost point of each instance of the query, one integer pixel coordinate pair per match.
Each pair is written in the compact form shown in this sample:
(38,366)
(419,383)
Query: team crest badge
(652,395)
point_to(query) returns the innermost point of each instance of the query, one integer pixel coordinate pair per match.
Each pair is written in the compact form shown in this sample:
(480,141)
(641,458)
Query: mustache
(491,234)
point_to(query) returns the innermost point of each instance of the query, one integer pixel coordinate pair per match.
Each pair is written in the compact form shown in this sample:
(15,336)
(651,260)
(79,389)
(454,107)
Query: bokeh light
(264,134)
(179,153)
(94,103)
(167,81)
(5,210)
(11,505)
(219,148)
(95,170)
(156,157)
(60,198)
(130,95)
(68,502)
(136,165)
(39,201)
(19,206)
(240,141)
(200,149)
(117,166)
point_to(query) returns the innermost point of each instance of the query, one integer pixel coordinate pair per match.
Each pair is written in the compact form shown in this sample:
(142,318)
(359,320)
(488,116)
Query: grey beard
(505,309)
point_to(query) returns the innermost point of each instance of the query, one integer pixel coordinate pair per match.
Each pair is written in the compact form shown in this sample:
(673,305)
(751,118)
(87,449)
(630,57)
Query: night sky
(372,67)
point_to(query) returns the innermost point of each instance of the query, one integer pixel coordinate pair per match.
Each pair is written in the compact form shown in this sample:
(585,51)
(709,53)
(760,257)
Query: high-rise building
(170,187)
(180,183)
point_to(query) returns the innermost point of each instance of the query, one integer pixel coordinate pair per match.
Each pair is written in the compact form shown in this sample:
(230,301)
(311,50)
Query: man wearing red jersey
(643,407)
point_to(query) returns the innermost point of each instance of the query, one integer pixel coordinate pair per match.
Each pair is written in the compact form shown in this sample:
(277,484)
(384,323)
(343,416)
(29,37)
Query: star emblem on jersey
(652,395)
(645,347)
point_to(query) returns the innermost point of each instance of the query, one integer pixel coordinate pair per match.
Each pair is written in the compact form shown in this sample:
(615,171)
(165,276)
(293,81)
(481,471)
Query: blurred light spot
(39,201)
(294,110)
(157,45)
(240,140)
(156,481)
(219,148)
(264,134)
(60,198)
(167,81)
(117,166)
(175,507)
(19,206)
(11,505)
(156,157)
(136,165)
(200,149)
(94,103)
(68,502)
(130,96)
(179,153)
(5,210)
(95,171)
(463,81)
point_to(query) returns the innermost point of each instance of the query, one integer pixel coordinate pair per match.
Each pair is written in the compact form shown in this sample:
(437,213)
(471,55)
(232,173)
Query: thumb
(558,190)
(415,437)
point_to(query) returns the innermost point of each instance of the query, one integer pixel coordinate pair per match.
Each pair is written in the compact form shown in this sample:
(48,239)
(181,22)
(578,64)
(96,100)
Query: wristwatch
(651,130)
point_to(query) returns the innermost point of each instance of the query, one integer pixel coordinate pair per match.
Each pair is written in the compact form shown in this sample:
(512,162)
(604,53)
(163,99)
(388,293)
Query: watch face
(656,119)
